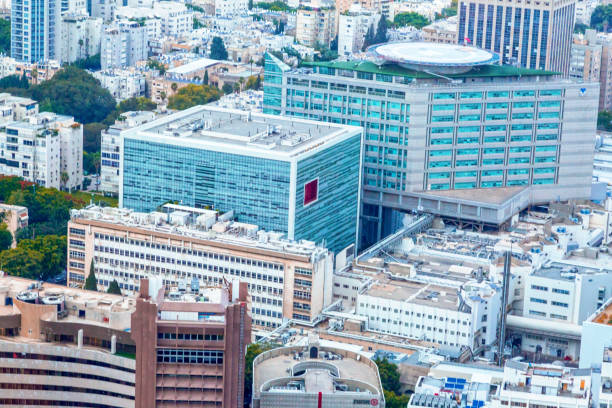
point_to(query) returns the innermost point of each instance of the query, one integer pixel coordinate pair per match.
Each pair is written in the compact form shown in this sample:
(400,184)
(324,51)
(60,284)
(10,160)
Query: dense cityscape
(306,203)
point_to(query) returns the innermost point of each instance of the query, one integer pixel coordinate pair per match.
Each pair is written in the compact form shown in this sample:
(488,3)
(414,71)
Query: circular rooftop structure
(433,57)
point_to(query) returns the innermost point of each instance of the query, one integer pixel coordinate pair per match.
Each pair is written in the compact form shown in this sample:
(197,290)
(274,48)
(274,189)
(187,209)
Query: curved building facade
(64,347)
(315,376)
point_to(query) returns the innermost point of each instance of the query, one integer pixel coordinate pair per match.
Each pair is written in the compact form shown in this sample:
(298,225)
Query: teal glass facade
(337,171)
(256,189)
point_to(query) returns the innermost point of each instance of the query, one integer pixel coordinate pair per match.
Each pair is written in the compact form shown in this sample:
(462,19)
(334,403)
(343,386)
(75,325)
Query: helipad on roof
(433,57)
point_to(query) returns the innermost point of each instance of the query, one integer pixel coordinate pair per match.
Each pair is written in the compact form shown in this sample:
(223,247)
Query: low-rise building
(191,344)
(286,280)
(15,217)
(441,31)
(14,108)
(544,385)
(315,375)
(122,84)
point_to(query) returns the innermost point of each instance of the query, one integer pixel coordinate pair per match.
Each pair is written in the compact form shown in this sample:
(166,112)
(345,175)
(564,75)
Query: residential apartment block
(353,27)
(122,84)
(316,24)
(286,280)
(531,34)
(288,175)
(43,148)
(80,37)
(432,138)
(123,43)
(190,345)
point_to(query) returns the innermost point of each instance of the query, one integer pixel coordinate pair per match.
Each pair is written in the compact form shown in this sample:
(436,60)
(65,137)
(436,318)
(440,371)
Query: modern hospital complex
(447,131)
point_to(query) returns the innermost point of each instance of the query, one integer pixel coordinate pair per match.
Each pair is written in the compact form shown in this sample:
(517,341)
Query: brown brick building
(190,346)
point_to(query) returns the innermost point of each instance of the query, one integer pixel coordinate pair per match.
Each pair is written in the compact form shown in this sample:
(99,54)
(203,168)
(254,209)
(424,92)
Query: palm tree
(241,82)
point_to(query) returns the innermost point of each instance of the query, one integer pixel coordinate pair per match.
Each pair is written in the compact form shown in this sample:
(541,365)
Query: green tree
(227,88)
(5,36)
(73,91)
(275,6)
(192,95)
(604,121)
(253,350)
(114,288)
(22,262)
(381,31)
(389,375)
(205,80)
(91,136)
(410,18)
(368,39)
(154,64)
(601,19)
(174,86)
(91,283)
(91,162)
(250,4)
(6,238)
(92,62)
(392,400)
(217,49)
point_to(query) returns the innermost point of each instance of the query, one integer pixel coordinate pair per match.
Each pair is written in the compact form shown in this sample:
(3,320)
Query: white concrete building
(124,43)
(585,59)
(122,84)
(454,317)
(229,8)
(14,108)
(104,9)
(162,18)
(44,149)
(80,37)
(8,66)
(546,385)
(111,140)
(353,27)
(566,292)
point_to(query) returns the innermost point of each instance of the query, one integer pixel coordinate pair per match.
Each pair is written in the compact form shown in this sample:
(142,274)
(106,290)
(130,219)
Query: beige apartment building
(316,24)
(441,31)
(186,246)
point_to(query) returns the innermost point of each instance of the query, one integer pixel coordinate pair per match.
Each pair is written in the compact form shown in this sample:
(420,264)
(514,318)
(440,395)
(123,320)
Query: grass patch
(84,197)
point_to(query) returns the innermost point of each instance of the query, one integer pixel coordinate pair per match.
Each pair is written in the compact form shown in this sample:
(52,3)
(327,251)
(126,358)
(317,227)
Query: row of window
(187,356)
(552,302)
(554,290)
(189,336)
(188,251)
(476,117)
(543,314)
(174,261)
(496,105)
(497,94)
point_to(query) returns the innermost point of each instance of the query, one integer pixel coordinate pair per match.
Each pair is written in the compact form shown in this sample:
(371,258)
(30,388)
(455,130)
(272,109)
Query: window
(560,304)
(560,291)
(538,300)
(537,287)
(537,313)
(311,192)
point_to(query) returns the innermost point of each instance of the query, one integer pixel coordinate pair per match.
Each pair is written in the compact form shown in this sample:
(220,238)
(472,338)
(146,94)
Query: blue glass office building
(477,146)
(287,175)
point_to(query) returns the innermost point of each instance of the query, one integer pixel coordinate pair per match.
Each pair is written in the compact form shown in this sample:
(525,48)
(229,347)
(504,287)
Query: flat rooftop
(568,272)
(197,223)
(418,293)
(280,363)
(239,132)
(433,54)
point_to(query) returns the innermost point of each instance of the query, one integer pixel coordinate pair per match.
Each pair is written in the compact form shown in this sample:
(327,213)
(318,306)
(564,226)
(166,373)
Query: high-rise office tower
(35,27)
(530,34)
